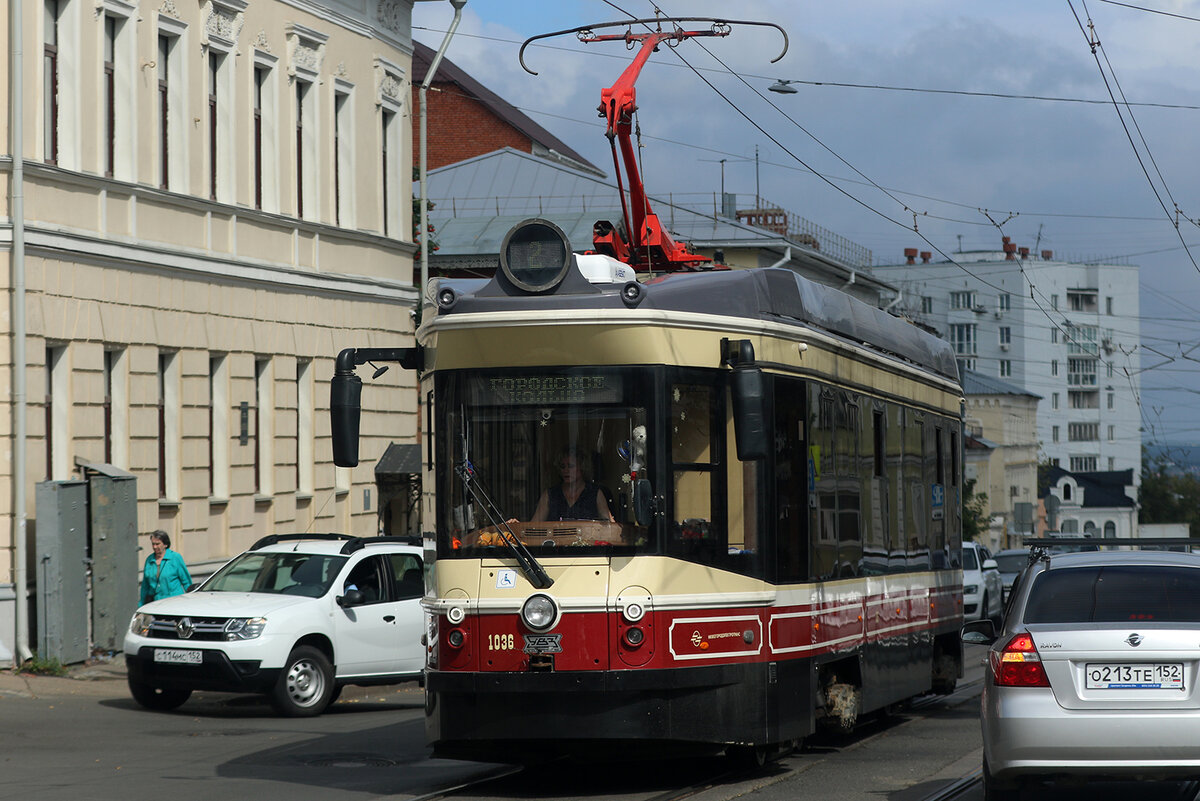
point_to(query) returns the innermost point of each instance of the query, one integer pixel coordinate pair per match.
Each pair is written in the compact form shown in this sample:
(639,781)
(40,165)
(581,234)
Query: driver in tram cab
(575,498)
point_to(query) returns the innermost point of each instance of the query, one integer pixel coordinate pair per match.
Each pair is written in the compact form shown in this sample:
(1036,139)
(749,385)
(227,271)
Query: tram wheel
(747,757)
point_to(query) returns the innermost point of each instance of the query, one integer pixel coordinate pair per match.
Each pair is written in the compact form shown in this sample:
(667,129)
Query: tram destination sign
(547,390)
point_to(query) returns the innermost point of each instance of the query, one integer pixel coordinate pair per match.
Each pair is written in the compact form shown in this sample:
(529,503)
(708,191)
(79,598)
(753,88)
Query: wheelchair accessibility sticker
(506,579)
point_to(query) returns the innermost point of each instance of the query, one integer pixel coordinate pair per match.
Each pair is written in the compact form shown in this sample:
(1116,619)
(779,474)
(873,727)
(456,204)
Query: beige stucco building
(1004,417)
(213,198)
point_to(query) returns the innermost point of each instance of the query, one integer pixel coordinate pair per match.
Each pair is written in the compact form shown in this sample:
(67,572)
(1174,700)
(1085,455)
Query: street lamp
(782,87)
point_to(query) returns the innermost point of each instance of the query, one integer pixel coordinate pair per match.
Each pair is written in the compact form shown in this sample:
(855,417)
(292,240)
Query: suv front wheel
(159,699)
(305,688)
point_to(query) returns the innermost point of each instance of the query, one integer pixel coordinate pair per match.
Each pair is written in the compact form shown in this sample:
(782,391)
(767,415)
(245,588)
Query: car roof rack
(272,539)
(1040,547)
(357,543)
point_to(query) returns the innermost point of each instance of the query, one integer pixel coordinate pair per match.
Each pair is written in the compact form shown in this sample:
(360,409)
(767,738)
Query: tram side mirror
(643,502)
(345,413)
(749,412)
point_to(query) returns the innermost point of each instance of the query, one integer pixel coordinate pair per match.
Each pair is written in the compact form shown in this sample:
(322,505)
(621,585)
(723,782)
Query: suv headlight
(970,589)
(244,628)
(140,624)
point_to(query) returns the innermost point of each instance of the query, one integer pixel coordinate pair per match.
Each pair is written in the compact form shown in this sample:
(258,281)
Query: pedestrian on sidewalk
(165,573)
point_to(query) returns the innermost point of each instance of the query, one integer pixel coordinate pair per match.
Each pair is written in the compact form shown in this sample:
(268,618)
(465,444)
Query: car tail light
(1019,665)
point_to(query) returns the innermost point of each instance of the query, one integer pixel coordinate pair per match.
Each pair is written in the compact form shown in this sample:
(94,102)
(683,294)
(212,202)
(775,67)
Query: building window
(168,426)
(116,409)
(266,134)
(1054,301)
(1083,464)
(1081,339)
(962,337)
(926,304)
(305,462)
(1054,335)
(1006,368)
(1054,400)
(1112,463)
(1004,302)
(1005,335)
(164,111)
(214,73)
(264,435)
(1081,372)
(387,135)
(343,159)
(1083,432)
(260,78)
(110,92)
(1054,367)
(1083,399)
(1112,433)
(58,413)
(50,81)
(218,426)
(962,300)
(1111,399)
(1054,433)
(1082,301)
(1108,369)
(305,159)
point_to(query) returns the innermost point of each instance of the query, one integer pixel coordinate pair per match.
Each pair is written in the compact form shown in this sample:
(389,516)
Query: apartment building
(207,202)
(1065,331)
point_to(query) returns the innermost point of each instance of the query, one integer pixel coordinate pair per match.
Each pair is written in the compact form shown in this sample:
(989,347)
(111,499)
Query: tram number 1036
(501,642)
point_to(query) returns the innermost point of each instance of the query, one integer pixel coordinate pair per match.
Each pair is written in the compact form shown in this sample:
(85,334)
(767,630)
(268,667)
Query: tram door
(791,482)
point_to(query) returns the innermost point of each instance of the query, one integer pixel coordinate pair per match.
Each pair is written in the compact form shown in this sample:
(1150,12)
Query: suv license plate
(178,657)
(1158,676)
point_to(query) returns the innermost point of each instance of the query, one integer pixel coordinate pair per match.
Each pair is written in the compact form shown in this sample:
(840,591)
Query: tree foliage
(1168,493)
(975,517)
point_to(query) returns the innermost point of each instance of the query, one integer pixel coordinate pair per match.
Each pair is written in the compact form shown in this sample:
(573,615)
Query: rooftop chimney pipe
(910,254)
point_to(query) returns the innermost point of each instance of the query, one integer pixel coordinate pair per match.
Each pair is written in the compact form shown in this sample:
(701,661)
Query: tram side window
(897,520)
(939,502)
(791,482)
(875,491)
(849,491)
(698,529)
(823,520)
(918,471)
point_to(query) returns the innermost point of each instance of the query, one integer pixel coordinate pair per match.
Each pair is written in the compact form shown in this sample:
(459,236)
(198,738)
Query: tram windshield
(552,456)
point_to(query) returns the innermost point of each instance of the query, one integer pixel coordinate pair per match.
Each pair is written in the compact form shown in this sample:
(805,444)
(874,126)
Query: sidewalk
(102,675)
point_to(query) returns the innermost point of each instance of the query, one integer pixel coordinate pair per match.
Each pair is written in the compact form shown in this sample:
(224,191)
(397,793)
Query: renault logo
(185,628)
(1134,639)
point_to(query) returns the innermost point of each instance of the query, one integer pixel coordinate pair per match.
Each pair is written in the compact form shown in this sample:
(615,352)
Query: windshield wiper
(529,565)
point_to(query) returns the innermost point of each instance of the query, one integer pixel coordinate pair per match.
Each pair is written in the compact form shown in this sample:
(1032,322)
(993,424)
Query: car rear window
(1012,562)
(1114,594)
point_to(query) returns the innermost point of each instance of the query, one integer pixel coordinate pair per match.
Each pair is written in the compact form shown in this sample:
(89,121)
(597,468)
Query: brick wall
(461,127)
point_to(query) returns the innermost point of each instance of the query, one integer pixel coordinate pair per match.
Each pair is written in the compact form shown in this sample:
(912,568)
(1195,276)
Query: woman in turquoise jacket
(165,573)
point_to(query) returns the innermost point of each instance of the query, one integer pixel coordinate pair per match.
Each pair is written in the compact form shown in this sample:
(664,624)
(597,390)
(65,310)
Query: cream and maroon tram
(771,476)
(706,510)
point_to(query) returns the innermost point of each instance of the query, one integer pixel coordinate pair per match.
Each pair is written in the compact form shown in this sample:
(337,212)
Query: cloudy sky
(968,120)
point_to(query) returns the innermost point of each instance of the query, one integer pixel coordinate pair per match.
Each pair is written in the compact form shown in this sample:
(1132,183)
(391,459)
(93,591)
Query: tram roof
(768,294)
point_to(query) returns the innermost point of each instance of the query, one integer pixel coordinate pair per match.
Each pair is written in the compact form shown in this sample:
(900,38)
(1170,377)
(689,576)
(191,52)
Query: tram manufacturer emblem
(543,643)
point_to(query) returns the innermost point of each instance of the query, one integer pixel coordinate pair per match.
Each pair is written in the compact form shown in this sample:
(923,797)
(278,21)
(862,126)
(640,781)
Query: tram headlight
(634,637)
(539,612)
(535,255)
(455,638)
(634,612)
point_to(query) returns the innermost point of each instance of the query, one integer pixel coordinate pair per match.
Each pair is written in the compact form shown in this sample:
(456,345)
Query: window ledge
(215,501)
(261,499)
(304,497)
(167,503)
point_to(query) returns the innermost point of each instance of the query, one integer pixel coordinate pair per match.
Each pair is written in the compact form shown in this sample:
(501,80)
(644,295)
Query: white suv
(983,588)
(297,617)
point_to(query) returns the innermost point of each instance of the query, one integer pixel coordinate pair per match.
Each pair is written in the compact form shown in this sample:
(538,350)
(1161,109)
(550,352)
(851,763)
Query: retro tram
(709,509)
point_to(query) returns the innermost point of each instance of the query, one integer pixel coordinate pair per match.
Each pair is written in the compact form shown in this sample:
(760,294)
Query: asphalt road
(84,737)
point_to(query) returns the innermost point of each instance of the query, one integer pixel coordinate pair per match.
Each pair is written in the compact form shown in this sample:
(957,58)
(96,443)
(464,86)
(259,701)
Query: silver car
(1095,671)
